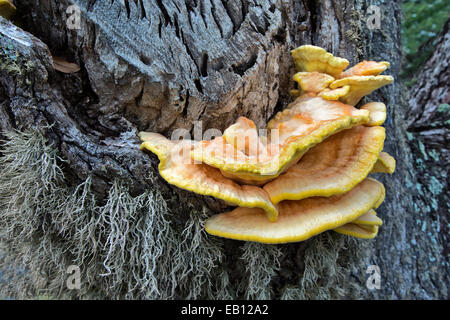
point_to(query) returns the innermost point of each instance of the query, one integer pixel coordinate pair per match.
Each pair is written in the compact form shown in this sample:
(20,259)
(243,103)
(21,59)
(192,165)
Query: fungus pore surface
(315,59)
(298,220)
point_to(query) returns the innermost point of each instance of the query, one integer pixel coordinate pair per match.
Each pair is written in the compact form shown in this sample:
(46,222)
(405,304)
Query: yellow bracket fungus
(377,113)
(297,220)
(307,171)
(314,64)
(243,135)
(313,81)
(315,59)
(335,94)
(364,227)
(306,122)
(366,68)
(177,168)
(358,231)
(385,164)
(295,93)
(369,219)
(332,167)
(7,9)
(360,86)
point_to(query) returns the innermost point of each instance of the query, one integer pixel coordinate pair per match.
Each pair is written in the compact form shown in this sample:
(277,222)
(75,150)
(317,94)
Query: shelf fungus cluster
(304,174)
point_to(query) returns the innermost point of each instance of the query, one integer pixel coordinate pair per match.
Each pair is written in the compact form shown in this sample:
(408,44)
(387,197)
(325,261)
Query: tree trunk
(163,65)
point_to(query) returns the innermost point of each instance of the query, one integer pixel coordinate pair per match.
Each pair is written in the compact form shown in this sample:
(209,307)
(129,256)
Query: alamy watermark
(374,280)
(73,281)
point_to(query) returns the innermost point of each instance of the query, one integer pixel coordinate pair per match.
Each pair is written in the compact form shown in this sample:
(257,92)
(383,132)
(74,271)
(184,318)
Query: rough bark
(163,65)
(429,136)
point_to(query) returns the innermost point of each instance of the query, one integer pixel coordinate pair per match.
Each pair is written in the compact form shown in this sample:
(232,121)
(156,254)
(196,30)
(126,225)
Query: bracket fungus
(370,218)
(7,9)
(350,85)
(366,68)
(377,113)
(307,171)
(364,227)
(334,94)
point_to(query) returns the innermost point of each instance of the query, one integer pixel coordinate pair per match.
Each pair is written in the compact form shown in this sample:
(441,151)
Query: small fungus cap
(306,122)
(369,219)
(377,113)
(360,86)
(384,164)
(334,166)
(309,58)
(7,9)
(366,68)
(364,227)
(334,94)
(358,230)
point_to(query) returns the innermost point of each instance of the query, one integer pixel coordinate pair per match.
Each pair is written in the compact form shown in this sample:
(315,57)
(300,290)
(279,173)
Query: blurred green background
(423,21)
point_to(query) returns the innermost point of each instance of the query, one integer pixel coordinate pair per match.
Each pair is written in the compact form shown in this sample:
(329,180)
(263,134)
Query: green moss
(13,64)
(8,58)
